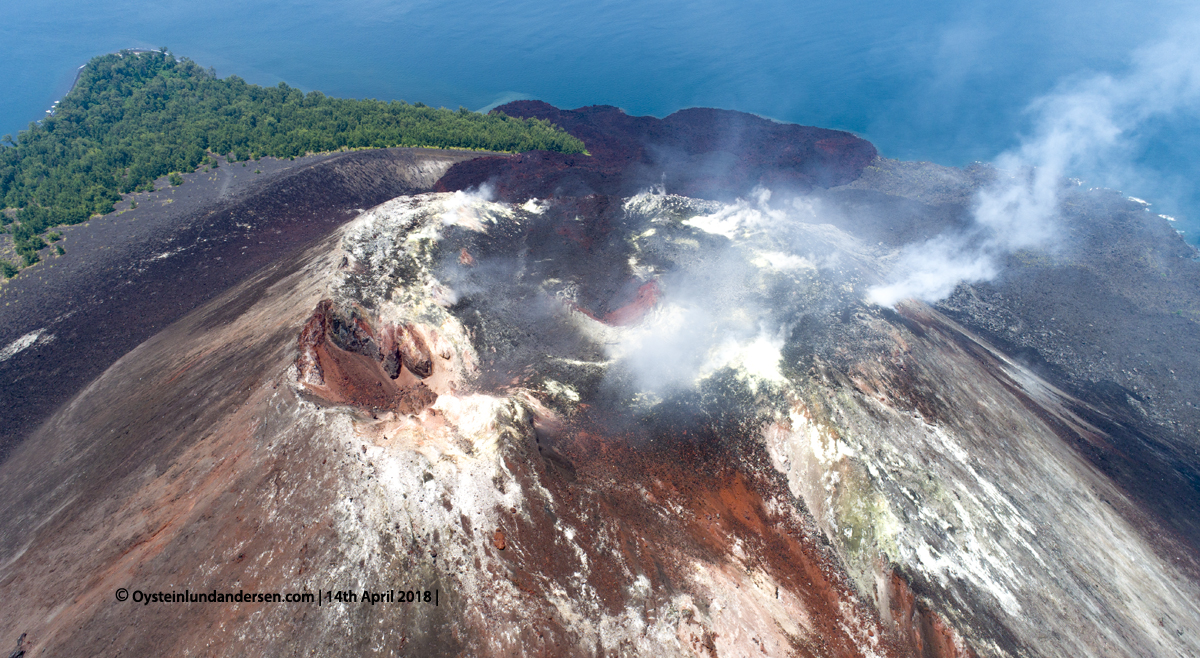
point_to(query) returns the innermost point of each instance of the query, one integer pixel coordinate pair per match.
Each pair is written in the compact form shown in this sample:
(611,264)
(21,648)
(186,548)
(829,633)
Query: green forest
(134,117)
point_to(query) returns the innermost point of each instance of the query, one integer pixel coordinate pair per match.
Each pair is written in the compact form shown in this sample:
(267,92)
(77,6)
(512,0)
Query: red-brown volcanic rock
(687,499)
(341,361)
(924,630)
(647,296)
(698,152)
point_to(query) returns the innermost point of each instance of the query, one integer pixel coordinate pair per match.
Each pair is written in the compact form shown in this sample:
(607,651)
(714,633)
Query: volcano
(638,404)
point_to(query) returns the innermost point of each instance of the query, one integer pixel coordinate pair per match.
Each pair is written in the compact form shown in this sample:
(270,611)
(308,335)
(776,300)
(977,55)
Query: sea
(950,82)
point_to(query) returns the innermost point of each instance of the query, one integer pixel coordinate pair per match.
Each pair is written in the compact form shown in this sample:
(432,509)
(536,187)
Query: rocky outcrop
(341,361)
(698,152)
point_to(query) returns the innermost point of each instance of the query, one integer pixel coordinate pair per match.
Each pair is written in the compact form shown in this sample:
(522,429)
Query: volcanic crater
(632,403)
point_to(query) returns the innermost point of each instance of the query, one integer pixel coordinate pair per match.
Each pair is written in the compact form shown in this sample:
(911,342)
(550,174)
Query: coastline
(79,72)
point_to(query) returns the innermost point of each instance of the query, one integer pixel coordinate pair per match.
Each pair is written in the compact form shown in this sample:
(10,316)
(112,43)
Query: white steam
(688,339)
(714,314)
(1085,126)
(472,209)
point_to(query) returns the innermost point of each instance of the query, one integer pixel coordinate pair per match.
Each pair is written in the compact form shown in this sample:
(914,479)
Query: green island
(133,117)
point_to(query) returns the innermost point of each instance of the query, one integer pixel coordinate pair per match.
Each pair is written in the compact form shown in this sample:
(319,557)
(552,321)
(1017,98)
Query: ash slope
(1109,316)
(126,277)
(595,425)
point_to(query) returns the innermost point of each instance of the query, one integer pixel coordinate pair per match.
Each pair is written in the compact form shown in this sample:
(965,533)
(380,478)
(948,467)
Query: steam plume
(1084,127)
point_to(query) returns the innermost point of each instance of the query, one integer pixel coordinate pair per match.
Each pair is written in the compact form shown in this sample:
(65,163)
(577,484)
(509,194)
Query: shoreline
(79,72)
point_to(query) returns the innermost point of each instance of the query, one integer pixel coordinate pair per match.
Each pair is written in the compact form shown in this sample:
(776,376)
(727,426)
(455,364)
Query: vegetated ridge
(134,117)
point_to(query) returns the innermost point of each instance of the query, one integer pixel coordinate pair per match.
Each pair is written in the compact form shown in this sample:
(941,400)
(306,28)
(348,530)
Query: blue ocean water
(941,81)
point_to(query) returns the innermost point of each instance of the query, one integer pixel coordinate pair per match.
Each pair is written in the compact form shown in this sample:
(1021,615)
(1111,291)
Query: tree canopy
(133,117)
